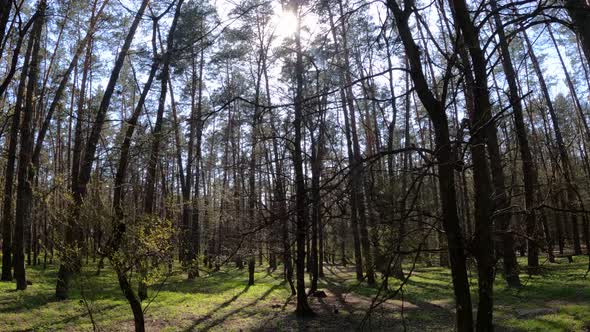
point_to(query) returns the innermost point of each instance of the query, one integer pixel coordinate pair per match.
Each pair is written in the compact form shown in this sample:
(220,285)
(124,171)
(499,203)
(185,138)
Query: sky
(285,22)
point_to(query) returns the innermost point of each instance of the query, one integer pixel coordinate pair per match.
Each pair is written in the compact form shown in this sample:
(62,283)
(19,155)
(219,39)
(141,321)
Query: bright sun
(286,23)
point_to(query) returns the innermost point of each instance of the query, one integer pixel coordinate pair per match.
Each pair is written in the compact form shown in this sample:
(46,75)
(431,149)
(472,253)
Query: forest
(295,165)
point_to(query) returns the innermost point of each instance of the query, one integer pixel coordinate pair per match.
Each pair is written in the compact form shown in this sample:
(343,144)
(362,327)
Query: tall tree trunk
(82,44)
(85,166)
(446,163)
(15,54)
(24,191)
(119,226)
(528,168)
(397,268)
(356,171)
(150,191)
(7,212)
(353,196)
(70,259)
(5,9)
(281,197)
(579,11)
(257,116)
(573,193)
(403,206)
(566,166)
(187,254)
(317,152)
(197,127)
(482,132)
(303,308)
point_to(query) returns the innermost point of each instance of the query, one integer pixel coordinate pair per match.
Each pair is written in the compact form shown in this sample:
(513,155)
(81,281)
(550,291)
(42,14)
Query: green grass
(221,301)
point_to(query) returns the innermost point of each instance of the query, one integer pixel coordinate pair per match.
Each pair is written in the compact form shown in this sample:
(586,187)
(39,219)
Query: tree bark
(446,163)
(579,12)
(5,9)
(24,191)
(15,54)
(573,192)
(196,133)
(356,171)
(303,309)
(150,193)
(528,168)
(63,83)
(317,153)
(482,132)
(353,196)
(566,166)
(7,212)
(85,166)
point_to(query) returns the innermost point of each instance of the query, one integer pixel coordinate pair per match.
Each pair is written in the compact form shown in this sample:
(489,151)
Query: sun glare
(286,23)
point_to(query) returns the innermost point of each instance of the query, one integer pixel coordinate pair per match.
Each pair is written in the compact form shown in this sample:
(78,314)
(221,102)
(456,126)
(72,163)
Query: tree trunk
(566,168)
(85,165)
(317,152)
(573,192)
(15,55)
(133,301)
(303,308)
(528,167)
(482,132)
(579,12)
(397,268)
(24,191)
(198,124)
(7,211)
(150,191)
(283,215)
(446,162)
(356,171)
(84,43)
(5,8)
(353,196)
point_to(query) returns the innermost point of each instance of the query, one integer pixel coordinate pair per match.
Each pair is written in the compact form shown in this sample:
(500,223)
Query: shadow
(71,318)
(434,290)
(275,314)
(380,317)
(221,319)
(547,325)
(27,301)
(224,281)
(225,304)
(338,290)
(334,274)
(432,275)
(342,270)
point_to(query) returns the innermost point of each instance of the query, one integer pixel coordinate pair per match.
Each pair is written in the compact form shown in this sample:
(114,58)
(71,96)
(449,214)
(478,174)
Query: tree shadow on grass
(338,291)
(27,301)
(223,318)
(276,314)
(225,304)
(214,283)
(361,297)
(339,270)
(542,323)
(72,318)
(335,279)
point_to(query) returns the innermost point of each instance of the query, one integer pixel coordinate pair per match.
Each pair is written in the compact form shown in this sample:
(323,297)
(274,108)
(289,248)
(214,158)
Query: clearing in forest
(556,300)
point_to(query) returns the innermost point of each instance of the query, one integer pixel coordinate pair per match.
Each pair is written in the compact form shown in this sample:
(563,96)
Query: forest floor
(556,300)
